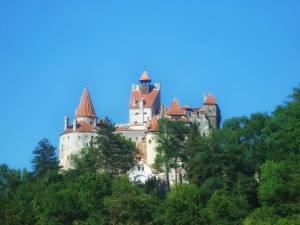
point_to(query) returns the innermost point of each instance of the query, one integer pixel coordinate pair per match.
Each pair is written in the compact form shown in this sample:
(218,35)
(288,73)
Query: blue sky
(247,53)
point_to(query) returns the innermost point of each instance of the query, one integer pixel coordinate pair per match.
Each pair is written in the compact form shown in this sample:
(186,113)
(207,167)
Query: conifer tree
(109,152)
(116,153)
(45,158)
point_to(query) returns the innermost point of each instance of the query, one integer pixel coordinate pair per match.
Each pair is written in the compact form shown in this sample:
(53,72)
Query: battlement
(136,87)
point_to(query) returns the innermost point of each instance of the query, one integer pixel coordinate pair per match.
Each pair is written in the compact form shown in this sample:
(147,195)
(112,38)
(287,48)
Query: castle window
(139,167)
(150,141)
(136,138)
(86,144)
(136,113)
(142,167)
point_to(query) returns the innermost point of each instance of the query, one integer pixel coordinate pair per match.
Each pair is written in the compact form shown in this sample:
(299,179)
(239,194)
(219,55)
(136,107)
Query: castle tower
(212,111)
(80,132)
(175,112)
(144,100)
(151,142)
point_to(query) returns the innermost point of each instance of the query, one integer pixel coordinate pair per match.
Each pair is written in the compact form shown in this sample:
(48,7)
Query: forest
(247,172)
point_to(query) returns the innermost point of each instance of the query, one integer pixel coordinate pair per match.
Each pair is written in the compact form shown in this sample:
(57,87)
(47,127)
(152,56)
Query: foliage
(110,152)
(225,207)
(182,206)
(45,158)
(170,146)
(128,203)
(247,173)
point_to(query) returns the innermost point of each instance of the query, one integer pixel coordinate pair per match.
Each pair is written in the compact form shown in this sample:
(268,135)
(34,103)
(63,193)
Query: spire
(210,100)
(85,107)
(145,77)
(175,109)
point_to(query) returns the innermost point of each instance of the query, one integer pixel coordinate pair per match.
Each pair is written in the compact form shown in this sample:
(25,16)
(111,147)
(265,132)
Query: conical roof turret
(145,77)
(85,107)
(175,109)
(210,100)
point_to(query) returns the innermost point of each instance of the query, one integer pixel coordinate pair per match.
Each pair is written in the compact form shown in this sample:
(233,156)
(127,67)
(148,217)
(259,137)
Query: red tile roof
(175,109)
(210,100)
(201,110)
(154,124)
(81,126)
(145,76)
(149,99)
(185,107)
(85,107)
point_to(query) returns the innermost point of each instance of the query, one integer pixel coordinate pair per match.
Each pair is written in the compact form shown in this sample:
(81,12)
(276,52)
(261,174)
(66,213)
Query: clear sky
(247,53)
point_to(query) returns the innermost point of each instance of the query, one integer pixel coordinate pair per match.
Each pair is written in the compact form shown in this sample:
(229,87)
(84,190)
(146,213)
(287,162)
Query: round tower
(80,132)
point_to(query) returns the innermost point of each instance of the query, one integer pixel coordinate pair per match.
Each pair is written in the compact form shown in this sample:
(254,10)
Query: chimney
(204,97)
(162,111)
(134,103)
(74,124)
(66,122)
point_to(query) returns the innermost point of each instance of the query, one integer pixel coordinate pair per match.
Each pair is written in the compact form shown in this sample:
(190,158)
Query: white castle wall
(140,173)
(151,146)
(72,143)
(140,115)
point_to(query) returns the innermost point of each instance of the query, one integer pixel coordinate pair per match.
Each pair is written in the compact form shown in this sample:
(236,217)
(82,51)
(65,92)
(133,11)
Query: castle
(145,109)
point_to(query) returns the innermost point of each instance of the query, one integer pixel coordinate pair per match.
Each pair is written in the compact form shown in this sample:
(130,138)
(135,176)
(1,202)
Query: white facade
(140,173)
(151,146)
(71,144)
(80,133)
(140,115)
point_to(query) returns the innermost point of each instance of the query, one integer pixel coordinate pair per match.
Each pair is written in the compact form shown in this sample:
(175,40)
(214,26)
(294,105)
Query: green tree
(45,158)
(226,207)
(21,206)
(280,182)
(110,152)
(129,204)
(181,206)
(283,129)
(56,200)
(10,180)
(170,148)
(92,188)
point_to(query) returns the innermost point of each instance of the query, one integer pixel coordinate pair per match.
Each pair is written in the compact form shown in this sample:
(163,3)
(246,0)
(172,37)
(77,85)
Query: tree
(283,129)
(280,182)
(129,204)
(181,206)
(109,152)
(198,155)
(171,146)
(45,158)
(226,207)
(10,180)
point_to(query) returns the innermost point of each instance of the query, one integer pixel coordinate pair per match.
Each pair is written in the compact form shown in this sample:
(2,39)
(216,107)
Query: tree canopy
(247,172)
